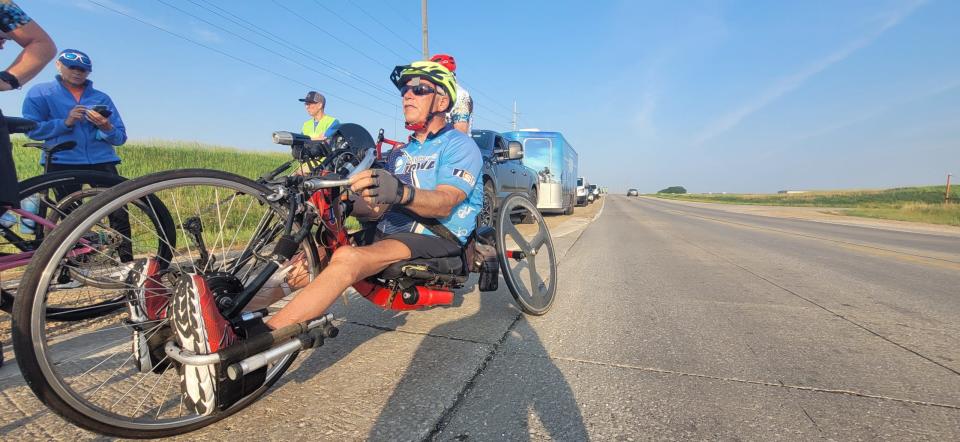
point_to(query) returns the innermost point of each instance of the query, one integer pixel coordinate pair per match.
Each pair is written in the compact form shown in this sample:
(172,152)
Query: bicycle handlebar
(318,183)
(19,125)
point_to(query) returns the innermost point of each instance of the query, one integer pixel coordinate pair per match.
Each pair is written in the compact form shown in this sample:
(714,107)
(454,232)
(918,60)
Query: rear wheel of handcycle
(79,269)
(527,258)
(110,374)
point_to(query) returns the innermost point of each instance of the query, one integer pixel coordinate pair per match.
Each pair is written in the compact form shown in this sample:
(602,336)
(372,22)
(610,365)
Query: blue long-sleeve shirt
(49,104)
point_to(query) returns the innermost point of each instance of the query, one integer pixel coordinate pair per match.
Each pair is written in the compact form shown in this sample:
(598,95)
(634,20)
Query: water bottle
(30,204)
(8,219)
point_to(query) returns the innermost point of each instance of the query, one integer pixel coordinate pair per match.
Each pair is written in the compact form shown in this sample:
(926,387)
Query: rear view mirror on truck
(514,150)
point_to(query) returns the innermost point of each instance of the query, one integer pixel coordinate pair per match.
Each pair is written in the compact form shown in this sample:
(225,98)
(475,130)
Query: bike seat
(19,125)
(425,267)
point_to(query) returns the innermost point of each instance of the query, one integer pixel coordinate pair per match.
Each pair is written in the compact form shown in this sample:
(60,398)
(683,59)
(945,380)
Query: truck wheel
(488,211)
(529,218)
(569,209)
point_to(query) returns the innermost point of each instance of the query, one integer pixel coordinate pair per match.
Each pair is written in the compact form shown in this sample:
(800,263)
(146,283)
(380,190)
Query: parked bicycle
(22,230)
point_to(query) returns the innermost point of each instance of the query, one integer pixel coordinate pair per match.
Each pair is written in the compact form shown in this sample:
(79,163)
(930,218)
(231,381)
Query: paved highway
(672,322)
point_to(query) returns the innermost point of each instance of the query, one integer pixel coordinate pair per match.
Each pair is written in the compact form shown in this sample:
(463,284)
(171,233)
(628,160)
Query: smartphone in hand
(102,110)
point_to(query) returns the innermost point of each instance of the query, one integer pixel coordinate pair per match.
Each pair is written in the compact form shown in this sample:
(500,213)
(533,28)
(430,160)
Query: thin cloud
(98,6)
(206,35)
(795,80)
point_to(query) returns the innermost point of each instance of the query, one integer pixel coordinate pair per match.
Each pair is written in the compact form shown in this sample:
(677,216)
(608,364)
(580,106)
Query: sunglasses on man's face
(72,56)
(418,90)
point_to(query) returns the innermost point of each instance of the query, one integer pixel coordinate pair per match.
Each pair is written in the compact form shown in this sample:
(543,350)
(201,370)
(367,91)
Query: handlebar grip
(323,183)
(289,138)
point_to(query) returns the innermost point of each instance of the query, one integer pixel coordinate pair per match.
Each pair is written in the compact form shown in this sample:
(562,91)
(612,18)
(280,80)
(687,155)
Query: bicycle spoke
(515,235)
(150,393)
(121,374)
(176,208)
(539,240)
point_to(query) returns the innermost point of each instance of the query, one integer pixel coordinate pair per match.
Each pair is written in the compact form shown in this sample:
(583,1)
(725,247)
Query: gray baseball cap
(314,97)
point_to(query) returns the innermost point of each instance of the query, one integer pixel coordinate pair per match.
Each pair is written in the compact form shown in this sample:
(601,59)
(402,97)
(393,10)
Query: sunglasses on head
(73,56)
(418,90)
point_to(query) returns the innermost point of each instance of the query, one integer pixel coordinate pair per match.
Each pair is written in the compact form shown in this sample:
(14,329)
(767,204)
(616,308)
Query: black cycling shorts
(9,187)
(423,246)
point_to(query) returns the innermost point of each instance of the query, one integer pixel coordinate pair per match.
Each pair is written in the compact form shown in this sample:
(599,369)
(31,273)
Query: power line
(400,14)
(330,35)
(364,11)
(479,92)
(286,43)
(401,57)
(228,55)
(275,53)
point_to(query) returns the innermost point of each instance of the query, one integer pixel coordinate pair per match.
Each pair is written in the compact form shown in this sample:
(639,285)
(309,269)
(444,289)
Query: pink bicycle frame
(23,258)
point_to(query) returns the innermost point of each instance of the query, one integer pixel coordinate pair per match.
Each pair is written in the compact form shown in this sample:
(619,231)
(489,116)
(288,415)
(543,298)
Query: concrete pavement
(670,323)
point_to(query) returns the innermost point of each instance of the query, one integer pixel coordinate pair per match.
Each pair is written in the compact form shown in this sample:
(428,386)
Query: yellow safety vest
(319,129)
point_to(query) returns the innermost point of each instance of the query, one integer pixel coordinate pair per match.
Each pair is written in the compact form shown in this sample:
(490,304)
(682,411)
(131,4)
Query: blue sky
(736,96)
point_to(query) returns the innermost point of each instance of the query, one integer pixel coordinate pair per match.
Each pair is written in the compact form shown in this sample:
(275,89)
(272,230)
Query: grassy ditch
(142,158)
(919,204)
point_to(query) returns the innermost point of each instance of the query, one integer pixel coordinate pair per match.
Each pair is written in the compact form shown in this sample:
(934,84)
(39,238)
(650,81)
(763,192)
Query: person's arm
(462,112)
(437,203)
(35,108)
(332,129)
(112,130)
(38,50)
(459,166)
(380,188)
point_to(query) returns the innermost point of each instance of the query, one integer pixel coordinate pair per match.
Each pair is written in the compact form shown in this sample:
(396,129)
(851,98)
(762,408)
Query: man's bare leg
(348,265)
(297,277)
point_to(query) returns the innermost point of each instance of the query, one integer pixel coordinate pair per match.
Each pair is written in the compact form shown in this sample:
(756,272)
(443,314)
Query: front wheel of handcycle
(110,374)
(528,261)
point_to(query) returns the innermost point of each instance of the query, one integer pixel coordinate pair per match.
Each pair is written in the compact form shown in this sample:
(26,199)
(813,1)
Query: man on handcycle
(434,176)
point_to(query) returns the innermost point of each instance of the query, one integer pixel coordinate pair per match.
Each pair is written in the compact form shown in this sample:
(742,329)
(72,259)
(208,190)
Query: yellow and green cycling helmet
(432,71)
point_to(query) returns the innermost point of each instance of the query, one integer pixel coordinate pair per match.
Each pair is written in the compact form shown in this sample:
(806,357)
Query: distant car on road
(633,192)
(593,193)
(581,192)
(503,173)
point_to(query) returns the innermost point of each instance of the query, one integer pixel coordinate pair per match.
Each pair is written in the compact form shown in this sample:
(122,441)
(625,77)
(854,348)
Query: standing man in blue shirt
(70,109)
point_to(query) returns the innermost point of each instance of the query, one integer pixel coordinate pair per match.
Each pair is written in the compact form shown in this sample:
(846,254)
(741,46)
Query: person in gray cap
(321,125)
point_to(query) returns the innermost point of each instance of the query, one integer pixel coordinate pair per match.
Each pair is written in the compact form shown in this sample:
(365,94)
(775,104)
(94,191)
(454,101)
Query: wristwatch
(8,78)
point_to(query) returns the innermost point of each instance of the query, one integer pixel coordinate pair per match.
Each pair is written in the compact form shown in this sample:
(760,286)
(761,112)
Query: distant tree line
(673,189)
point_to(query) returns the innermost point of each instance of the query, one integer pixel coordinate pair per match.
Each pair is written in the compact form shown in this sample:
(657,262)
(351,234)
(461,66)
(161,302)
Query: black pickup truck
(503,174)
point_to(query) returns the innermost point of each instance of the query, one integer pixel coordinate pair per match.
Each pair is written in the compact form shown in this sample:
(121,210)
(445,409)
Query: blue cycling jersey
(447,157)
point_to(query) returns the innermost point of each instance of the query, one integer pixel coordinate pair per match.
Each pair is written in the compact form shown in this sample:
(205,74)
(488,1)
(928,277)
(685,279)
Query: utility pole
(946,195)
(423,15)
(516,116)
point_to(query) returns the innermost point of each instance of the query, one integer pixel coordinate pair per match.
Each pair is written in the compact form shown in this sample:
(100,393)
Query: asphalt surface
(672,322)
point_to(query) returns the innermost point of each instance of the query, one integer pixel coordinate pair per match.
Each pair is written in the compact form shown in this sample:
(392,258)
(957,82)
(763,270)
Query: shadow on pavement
(500,399)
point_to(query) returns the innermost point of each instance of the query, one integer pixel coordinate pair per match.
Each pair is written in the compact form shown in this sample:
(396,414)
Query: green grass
(144,157)
(918,204)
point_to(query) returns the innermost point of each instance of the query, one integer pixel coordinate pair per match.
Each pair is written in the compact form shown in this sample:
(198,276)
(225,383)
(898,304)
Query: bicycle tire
(28,338)
(44,184)
(538,290)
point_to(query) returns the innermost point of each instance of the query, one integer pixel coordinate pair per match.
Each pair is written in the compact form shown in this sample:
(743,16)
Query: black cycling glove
(388,189)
